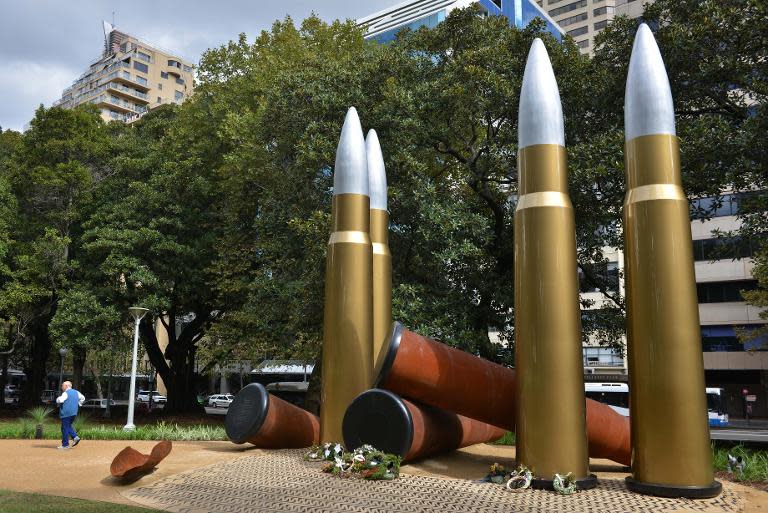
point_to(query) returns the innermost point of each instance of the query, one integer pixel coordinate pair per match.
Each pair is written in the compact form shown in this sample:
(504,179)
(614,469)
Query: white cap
(350,175)
(540,117)
(648,105)
(377,174)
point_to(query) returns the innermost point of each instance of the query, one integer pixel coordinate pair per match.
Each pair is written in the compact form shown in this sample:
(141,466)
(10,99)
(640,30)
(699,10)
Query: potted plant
(38,415)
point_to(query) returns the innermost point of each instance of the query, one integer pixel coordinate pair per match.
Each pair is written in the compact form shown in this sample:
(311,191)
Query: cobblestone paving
(280,481)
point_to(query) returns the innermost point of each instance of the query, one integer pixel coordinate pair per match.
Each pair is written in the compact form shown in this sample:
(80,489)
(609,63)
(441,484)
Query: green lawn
(25,429)
(16,502)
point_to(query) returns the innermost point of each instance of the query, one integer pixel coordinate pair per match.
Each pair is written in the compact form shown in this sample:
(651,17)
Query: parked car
(49,397)
(143,397)
(221,400)
(99,404)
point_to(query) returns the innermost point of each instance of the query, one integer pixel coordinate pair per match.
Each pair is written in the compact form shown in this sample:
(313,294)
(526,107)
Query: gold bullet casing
(551,424)
(348,316)
(669,425)
(382,280)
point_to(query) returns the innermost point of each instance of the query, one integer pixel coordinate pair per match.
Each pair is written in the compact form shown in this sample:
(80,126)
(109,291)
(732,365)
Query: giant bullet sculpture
(410,430)
(551,430)
(433,373)
(266,421)
(348,316)
(382,259)
(670,432)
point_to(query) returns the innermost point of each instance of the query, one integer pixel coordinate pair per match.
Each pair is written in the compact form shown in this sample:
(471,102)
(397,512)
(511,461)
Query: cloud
(46,45)
(24,85)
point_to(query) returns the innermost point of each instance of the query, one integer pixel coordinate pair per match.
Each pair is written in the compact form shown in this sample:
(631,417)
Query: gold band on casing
(669,426)
(348,313)
(382,281)
(551,424)
(543,199)
(349,237)
(656,191)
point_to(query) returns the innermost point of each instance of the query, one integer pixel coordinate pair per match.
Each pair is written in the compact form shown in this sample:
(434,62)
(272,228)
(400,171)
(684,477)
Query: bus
(716,408)
(616,395)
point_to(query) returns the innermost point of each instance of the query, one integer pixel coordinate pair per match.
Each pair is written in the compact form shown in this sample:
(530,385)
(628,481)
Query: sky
(46,44)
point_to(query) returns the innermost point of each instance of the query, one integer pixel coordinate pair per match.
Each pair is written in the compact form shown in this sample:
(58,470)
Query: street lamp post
(138,314)
(62,354)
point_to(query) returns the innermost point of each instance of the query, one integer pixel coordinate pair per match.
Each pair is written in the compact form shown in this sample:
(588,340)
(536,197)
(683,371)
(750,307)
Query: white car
(221,400)
(98,404)
(143,397)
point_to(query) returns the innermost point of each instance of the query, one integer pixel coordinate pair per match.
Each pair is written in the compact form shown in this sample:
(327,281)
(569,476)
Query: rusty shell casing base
(551,425)
(266,421)
(348,316)
(670,430)
(426,371)
(413,431)
(382,280)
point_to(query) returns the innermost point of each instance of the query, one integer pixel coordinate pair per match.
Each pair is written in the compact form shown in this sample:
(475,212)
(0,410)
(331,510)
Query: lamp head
(138,312)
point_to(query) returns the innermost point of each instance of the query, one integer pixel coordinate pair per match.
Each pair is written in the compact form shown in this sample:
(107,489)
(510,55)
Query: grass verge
(507,439)
(24,429)
(755,463)
(17,502)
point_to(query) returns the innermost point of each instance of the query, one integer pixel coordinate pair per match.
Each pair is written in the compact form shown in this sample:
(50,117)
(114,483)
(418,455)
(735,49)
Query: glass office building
(384,25)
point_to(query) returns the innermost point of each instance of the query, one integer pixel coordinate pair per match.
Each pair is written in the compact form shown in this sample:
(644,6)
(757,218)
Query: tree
(52,171)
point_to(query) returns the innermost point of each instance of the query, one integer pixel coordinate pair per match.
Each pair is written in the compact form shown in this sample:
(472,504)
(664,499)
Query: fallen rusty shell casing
(433,373)
(130,463)
(266,421)
(413,431)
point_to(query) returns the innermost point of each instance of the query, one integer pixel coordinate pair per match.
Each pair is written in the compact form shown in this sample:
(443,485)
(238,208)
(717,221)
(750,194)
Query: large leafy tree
(53,171)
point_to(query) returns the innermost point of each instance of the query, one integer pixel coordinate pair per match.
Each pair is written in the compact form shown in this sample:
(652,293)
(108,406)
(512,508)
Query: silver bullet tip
(540,117)
(648,107)
(350,174)
(377,174)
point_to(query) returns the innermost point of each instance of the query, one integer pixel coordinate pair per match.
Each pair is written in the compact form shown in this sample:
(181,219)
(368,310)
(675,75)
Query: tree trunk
(96,376)
(3,382)
(78,363)
(35,370)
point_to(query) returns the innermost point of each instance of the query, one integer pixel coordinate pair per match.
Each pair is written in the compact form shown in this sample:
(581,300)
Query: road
(216,411)
(740,435)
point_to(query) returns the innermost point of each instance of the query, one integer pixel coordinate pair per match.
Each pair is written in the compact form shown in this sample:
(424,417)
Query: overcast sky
(46,44)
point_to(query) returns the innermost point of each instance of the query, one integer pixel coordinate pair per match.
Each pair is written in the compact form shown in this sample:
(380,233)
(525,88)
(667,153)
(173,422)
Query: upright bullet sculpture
(382,259)
(551,424)
(348,316)
(670,432)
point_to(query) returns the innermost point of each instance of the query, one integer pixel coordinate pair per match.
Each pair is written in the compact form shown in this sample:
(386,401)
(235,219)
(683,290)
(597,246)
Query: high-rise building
(130,78)
(584,19)
(382,26)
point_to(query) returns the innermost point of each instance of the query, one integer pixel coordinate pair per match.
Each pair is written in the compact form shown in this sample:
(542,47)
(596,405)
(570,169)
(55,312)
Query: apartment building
(130,78)
(383,26)
(584,19)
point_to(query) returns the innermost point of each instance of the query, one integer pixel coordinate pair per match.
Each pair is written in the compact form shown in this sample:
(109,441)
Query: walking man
(70,399)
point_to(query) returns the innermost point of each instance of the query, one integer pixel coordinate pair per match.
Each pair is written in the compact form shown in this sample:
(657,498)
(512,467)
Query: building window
(138,66)
(568,8)
(175,64)
(602,357)
(608,9)
(179,81)
(578,32)
(724,291)
(723,248)
(141,80)
(573,19)
(126,75)
(144,57)
(723,338)
(600,25)
(607,273)
(163,74)
(160,86)
(187,69)
(725,205)
(582,44)
(178,95)
(159,100)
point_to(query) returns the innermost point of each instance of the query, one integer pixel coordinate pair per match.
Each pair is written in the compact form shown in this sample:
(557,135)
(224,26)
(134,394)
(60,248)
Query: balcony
(115,103)
(131,93)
